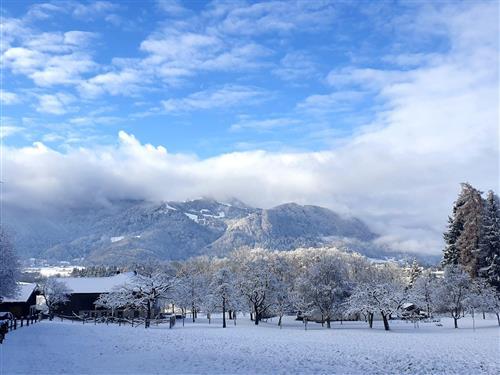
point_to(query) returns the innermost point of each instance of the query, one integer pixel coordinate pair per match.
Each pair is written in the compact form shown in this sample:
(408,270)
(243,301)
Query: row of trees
(321,284)
(9,266)
(472,239)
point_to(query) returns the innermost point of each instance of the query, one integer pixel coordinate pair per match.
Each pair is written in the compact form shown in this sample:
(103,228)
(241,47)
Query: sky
(373,109)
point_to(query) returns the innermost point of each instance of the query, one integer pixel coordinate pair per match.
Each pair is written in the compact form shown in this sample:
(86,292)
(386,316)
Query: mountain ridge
(133,230)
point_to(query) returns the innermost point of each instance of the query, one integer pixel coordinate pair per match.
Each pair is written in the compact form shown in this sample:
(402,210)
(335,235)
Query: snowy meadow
(351,347)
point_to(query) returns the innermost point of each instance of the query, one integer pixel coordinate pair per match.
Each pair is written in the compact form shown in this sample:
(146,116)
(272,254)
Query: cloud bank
(435,125)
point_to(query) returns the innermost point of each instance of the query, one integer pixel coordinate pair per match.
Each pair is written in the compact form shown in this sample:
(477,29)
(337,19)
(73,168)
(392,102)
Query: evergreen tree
(469,211)
(464,231)
(451,252)
(489,246)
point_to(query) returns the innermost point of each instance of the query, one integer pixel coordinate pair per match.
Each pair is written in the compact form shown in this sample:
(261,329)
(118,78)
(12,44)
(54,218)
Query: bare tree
(55,293)
(453,292)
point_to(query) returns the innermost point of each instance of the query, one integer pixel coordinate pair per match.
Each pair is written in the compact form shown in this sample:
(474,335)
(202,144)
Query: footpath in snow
(352,348)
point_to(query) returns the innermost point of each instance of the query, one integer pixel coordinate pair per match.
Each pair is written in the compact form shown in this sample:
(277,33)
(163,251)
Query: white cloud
(274,16)
(8,130)
(438,127)
(56,104)
(172,7)
(224,97)
(93,9)
(124,82)
(341,101)
(263,125)
(295,66)
(51,58)
(180,47)
(7,97)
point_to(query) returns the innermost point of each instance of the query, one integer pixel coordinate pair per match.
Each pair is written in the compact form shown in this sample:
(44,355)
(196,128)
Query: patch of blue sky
(204,78)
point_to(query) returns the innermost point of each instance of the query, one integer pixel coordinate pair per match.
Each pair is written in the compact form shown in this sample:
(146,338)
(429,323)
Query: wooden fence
(10,325)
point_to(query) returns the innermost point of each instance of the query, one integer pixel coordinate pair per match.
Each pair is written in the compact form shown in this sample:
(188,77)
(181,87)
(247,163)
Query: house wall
(19,309)
(78,302)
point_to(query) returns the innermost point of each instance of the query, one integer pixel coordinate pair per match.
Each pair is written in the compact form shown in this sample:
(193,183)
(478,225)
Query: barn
(23,304)
(84,291)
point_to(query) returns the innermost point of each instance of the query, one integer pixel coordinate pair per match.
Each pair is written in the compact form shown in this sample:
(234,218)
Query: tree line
(320,284)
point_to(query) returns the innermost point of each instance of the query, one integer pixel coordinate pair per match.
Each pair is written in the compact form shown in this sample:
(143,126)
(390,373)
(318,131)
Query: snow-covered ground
(351,348)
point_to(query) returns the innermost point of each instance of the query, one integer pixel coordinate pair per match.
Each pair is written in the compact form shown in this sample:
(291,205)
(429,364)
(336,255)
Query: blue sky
(373,109)
(200,77)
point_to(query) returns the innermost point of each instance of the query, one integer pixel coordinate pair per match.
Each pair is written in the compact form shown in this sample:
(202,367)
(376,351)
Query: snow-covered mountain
(130,231)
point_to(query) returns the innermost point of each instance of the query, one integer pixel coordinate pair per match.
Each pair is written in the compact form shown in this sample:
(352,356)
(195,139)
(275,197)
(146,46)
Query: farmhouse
(84,291)
(23,304)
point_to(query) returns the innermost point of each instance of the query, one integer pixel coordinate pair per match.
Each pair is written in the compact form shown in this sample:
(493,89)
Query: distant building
(23,304)
(86,290)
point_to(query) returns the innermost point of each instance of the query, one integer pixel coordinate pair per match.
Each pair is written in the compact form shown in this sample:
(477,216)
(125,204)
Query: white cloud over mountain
(435,125)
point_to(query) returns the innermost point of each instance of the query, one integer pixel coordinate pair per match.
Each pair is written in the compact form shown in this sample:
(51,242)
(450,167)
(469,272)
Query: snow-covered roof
(96,284)
(23,294)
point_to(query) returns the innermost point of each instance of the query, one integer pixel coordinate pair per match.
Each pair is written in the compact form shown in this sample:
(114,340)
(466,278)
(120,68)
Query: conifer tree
(469,211)
(451,252)
(489,246)
(464,231)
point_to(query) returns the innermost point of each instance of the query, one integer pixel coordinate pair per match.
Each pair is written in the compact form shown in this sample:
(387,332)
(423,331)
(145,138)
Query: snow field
(351,348)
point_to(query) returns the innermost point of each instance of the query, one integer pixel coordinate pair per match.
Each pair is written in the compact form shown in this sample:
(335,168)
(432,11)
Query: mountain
(130,231)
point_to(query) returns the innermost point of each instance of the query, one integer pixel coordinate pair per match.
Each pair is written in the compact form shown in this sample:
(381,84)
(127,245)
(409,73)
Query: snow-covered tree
(489,245)
(360,302)
(193,281)
(256,280)
(453,292)
(9,267)
(483,297)
(223,291)
(282,296)
(414,272)
(423,292)
(385,293)
(451,253)
(325,285)
(55,293)
(142,293)
(118,298)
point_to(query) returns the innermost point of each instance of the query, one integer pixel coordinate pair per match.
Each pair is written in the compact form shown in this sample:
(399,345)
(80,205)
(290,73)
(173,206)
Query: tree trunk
(257,314)
(370,320)
(223,313)
(279,321)
(386,322)
(498,318)
(484,316)
(193,312)
(455,320)
(328,325)
(148,314)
